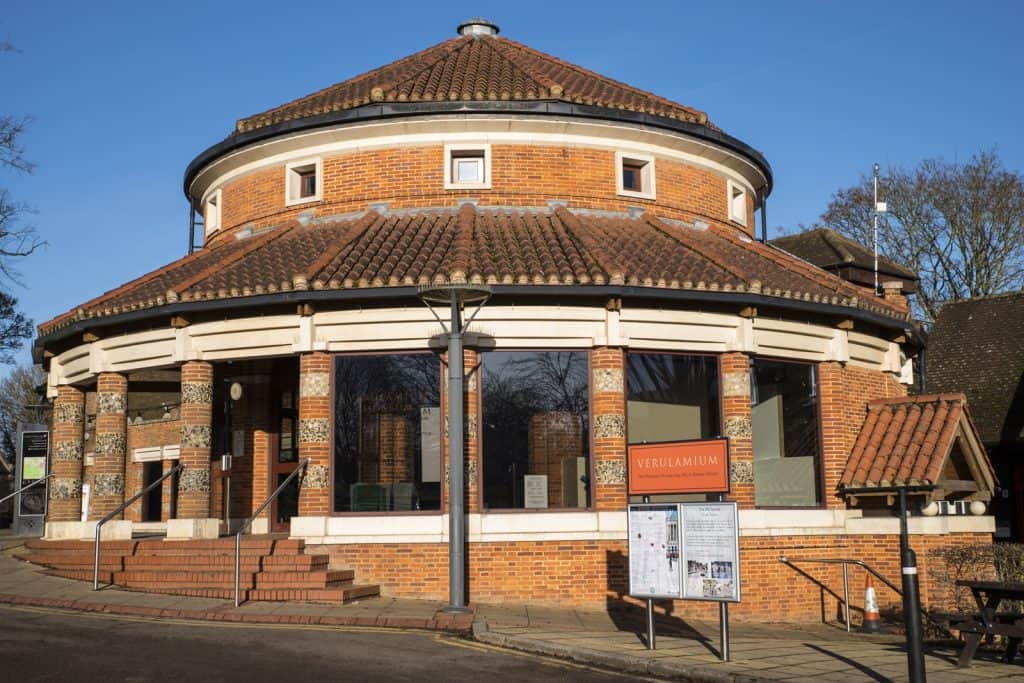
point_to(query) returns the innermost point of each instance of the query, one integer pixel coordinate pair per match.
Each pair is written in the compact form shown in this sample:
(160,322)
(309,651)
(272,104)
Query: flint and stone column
(111,443)
(608,491)
(68,446)
(194,516)
(314,437)
(736,416)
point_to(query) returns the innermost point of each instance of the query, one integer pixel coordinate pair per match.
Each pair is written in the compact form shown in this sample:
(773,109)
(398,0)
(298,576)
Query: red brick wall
(161,433)
(522,175)
(314,434)
(593,574)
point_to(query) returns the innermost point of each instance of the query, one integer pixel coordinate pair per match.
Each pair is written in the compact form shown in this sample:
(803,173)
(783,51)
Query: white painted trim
(172,452)
(148,454)
(477,129)
(735,216)
(449,182)
(648,186)
(291,180)
(212,212)
(496,527)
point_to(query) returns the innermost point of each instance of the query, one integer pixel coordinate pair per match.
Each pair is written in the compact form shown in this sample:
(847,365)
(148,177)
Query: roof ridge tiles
(921,398)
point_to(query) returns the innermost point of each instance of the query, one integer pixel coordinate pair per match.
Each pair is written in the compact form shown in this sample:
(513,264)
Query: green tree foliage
(960,225)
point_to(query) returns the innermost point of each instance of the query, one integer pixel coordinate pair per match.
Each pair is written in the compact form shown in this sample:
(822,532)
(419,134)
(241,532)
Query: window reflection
(536,449)
(786,441)
(387,433)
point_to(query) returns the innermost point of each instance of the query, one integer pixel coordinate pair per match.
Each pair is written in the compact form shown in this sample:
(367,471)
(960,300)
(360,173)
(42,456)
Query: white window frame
(736,196)
(451,151)
(212,213)
(292,178)
(647,181)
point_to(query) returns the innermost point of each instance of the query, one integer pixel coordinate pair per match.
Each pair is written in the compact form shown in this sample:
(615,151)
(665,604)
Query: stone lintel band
(196,437)
(68,431)
(111,439)
(314,432)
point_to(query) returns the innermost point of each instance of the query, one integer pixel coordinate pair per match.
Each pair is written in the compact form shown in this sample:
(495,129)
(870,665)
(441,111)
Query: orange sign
(679,467)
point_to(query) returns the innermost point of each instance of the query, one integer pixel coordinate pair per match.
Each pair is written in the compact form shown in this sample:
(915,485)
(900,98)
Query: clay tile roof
(975,347)
(493,246)
(828,249)
(475,68)
(906,441)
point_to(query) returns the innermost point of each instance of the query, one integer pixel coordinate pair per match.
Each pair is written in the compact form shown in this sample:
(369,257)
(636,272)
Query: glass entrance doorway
(285,458)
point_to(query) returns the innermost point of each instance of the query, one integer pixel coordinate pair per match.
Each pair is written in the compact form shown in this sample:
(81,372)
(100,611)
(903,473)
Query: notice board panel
(711,551)
(654,551)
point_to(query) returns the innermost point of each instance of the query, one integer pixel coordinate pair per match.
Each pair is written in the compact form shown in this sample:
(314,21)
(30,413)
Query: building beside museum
(630,300)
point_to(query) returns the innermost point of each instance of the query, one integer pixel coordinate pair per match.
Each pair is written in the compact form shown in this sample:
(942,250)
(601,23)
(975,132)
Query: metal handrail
(846,581)
(26,486)
(238,536)
(121,508)
(846,576)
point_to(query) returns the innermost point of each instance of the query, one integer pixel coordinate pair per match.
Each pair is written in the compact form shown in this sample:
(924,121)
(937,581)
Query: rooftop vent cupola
(477,26)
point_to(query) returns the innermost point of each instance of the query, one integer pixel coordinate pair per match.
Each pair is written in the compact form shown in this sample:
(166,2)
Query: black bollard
(911,600)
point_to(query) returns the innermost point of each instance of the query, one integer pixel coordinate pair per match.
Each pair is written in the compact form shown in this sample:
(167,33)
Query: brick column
(196,437)
(315,433)
(111,443)
(608,490)
(165,490)
(68,430)
(736,417)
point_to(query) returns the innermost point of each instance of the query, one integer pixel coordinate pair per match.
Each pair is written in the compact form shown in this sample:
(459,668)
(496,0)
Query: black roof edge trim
(370,112)
(385,293)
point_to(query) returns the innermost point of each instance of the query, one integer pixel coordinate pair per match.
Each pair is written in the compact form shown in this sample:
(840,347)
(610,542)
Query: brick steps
(270,569)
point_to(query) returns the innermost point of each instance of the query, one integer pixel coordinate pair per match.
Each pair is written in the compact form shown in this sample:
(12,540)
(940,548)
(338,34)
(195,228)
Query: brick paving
(686,650)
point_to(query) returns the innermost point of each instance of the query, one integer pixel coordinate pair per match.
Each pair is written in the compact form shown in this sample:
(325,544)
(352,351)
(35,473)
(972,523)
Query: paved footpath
(686,650)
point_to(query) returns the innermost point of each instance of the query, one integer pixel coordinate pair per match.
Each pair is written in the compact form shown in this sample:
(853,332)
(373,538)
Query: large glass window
(536,445)
(671,397)
(786,434)
(387,433)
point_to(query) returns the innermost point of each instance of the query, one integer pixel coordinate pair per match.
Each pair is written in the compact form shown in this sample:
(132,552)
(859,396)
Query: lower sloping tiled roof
(976,347)
(482,246)
(918,441)
(832,251)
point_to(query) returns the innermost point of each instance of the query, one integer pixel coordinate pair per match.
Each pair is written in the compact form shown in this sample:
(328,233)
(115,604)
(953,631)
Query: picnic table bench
(988,621)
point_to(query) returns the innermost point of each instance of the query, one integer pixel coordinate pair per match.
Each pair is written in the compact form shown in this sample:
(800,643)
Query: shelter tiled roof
(828,249)
(486,246)
(906,441)
(475,68)
(976,347)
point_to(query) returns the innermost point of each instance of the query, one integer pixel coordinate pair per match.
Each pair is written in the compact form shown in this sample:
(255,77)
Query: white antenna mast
(880,208)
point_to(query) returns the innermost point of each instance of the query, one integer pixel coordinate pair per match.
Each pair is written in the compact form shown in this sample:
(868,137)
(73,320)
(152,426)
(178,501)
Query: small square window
(635,175)
(467,167)
(737,203)
(303,181)
(211,213)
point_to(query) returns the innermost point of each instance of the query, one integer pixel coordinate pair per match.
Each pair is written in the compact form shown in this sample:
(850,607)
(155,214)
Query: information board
(35,447)
(696,466)
(654,569)
(711,551)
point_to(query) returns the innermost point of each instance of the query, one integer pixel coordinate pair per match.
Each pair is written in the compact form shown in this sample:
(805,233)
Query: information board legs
(723,625)
(650,624)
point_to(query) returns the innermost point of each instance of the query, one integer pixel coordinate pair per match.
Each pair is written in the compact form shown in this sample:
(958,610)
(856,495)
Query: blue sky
(125,94)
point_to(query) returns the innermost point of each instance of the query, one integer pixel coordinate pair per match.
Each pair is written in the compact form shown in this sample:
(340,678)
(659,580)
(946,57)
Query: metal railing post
(846,595)
(238,536)
(99,525)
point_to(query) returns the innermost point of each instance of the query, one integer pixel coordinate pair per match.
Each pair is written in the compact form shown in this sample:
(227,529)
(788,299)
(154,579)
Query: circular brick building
(630,300)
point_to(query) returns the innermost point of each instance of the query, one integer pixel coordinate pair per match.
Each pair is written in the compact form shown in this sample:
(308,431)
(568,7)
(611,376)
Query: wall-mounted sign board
(700,466)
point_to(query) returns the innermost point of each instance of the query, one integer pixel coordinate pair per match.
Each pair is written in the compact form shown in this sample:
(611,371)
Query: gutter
(235,305)
(374,112)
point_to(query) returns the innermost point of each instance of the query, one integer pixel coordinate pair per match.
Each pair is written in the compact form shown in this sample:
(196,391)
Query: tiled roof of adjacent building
(977,346)
(828,249)
(906,441)
(487,246)
(475,68)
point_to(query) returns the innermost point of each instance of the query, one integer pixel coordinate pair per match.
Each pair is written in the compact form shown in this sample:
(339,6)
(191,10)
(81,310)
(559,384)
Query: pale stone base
(114,530)
(260,526)
(184,529)
(308,527)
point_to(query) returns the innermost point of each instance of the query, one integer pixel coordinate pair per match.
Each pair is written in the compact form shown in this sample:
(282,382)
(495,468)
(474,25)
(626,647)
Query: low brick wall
(593,574)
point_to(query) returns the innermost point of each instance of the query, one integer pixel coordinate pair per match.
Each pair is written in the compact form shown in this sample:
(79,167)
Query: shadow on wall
(630,614)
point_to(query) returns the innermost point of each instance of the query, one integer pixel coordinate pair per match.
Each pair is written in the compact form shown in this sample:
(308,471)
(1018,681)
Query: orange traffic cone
(872,620)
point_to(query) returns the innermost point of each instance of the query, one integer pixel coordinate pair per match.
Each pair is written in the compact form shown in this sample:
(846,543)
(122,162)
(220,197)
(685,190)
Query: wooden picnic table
(989,621)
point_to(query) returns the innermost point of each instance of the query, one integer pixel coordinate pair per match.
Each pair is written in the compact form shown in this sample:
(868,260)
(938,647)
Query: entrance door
(285,458)
(151,471)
